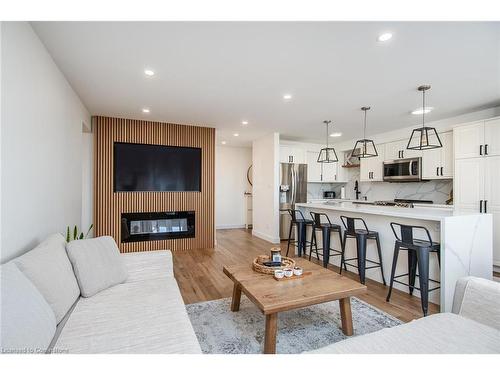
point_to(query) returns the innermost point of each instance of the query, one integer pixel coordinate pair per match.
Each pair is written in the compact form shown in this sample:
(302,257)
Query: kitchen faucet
(356,189)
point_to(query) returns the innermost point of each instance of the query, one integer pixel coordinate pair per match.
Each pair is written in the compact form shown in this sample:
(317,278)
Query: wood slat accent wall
(109,205)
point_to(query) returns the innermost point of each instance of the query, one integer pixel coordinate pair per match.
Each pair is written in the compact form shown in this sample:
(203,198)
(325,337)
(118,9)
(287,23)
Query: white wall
(87,179)
(231,165)
(265,160)
(41,152)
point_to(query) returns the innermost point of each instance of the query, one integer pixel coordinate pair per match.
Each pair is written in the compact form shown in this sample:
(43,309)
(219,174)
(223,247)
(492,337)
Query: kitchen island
(466,241)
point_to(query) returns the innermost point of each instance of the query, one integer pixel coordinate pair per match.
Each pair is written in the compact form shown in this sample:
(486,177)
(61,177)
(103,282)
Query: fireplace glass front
(152,226)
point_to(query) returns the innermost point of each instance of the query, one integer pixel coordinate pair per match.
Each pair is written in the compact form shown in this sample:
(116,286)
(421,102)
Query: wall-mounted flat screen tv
(140,167)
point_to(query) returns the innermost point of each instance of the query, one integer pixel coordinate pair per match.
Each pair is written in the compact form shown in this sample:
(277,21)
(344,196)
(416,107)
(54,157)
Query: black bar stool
(418,253)
(326,229)
(361,235)
(301,223)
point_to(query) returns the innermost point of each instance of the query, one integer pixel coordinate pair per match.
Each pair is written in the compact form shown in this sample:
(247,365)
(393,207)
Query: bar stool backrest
(296,214)
(350,224)
(316,216)
(407,232)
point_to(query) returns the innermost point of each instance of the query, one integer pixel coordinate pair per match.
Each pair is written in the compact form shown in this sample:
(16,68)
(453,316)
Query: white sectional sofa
(42,310)
(472,327)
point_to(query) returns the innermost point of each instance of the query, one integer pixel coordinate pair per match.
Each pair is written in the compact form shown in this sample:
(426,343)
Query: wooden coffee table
(272,296)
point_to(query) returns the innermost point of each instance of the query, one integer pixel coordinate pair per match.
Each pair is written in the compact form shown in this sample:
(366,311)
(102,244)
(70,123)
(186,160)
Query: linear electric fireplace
(153,226)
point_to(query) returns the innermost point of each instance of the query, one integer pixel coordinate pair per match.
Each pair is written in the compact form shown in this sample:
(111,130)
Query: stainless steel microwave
(403,170)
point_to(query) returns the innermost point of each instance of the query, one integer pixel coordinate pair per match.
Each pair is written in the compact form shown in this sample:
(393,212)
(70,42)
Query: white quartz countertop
(421,213)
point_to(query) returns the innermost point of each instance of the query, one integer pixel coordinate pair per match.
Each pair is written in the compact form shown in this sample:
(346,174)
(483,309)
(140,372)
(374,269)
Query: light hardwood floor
(200,277)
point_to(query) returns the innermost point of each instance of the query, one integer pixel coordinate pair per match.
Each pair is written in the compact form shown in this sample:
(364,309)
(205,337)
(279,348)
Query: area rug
(221,331)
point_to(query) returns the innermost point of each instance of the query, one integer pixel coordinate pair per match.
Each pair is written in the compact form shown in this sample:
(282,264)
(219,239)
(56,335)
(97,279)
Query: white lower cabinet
(492,200)
(476,190)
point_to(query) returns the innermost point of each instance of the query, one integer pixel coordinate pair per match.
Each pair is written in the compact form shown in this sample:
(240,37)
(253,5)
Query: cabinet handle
(402,154)
(335,177)
(437,171)
(441,171)
(480,149)
(485,207)
(486,149)
(481,206)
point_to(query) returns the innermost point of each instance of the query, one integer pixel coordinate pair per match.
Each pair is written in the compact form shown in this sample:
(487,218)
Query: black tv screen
(139,167)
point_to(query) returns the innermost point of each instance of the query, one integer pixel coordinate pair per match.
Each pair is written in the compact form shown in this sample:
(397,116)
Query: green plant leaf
(75,233)
(90,228)
(67,234)
(81,236)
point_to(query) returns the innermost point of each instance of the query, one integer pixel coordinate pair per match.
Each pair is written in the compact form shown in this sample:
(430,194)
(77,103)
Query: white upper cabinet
(437,163)
(393,150)
(292,154)
(372,169)
(492,137)
(313,167)
(330,172)
(397,150)
(468,140)
(476,140)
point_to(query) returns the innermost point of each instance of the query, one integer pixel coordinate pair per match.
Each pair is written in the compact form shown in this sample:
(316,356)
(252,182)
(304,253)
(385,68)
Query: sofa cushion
(97,264)
(435,334)
(148,265)
(27,321)
(137,317)
(49,269)
(478,299)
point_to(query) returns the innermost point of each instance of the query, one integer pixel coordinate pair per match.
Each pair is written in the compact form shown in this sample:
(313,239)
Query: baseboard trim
(274,240)
(230,226)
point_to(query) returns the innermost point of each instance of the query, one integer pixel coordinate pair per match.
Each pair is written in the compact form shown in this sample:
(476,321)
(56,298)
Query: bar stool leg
(341,247)
(412,270)
(326,246)
(289,238)
(361,250)
(300,230)
(393,270)
(342,257)
(423,277)
(311,243)
(379,250)
(303,239)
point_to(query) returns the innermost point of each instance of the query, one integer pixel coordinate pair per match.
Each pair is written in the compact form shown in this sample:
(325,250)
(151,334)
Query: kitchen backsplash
(437,191)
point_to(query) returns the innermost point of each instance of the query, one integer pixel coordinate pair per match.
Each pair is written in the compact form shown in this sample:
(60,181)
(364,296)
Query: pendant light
(425,137)
(327,154)
(364,148)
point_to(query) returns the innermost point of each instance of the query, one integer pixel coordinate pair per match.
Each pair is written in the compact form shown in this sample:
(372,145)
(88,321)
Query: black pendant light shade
(327,154)
(425,137)
(364,148)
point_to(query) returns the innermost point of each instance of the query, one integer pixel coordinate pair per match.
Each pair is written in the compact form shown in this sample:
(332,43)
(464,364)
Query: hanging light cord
(423,108)
(364,129)
(327,124)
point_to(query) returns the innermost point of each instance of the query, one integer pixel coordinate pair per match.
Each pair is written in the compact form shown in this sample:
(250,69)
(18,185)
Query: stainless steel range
(406,203)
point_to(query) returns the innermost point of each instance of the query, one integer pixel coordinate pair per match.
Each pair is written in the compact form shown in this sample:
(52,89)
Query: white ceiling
(218,74)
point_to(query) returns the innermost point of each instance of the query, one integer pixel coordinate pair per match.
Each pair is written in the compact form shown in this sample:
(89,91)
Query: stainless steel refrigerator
(293,189)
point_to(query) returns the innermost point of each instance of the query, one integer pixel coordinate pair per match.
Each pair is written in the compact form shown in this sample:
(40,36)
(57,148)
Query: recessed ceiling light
(384,37)
(223,142)
(145,110)
(149,72)
(236,134)
(287,96)
(420,110)
(335,134)
(244,122)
